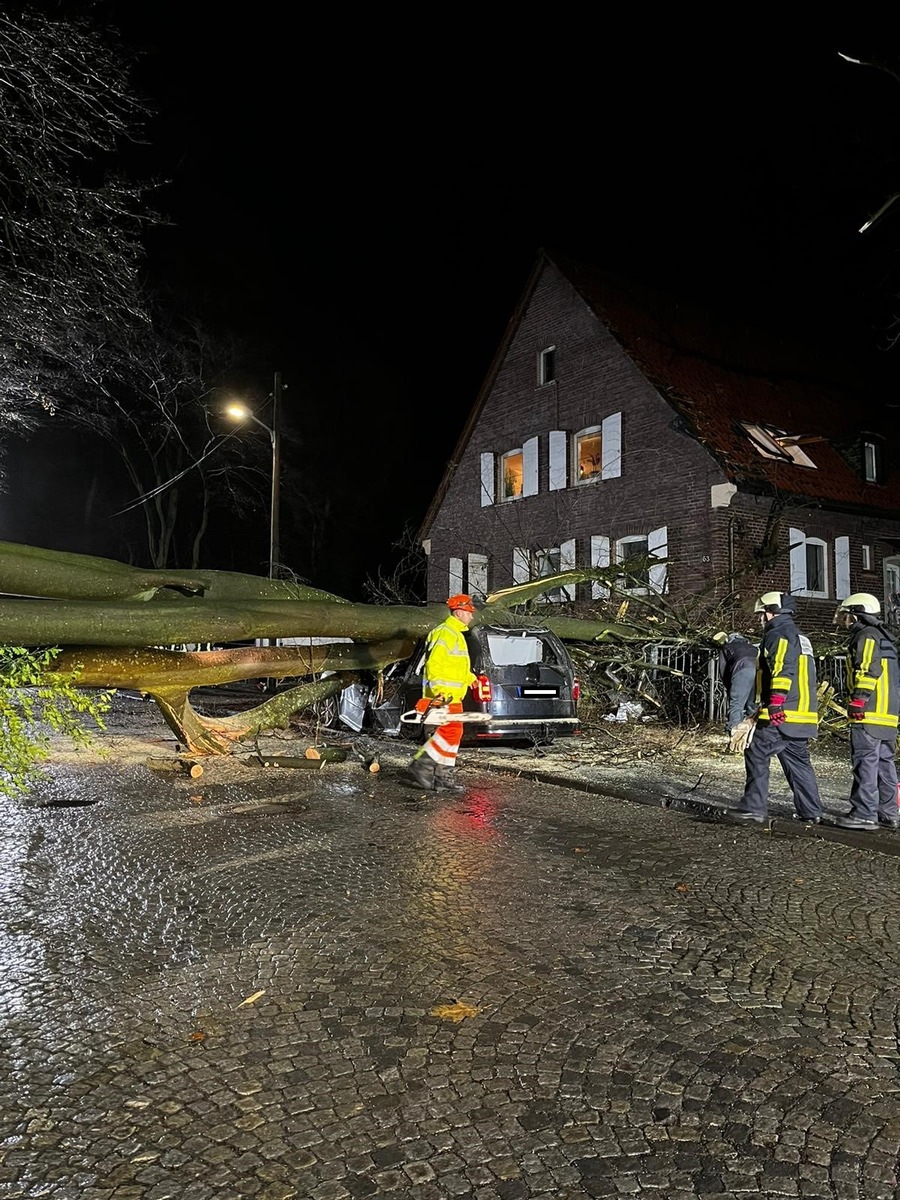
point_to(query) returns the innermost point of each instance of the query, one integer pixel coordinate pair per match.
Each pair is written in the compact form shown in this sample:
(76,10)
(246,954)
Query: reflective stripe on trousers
(443,745)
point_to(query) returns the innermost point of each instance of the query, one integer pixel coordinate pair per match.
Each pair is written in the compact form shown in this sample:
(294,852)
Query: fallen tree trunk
(84,623)
(35,572)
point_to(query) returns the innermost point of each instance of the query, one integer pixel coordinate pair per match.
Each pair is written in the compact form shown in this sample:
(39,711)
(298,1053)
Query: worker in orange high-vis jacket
(446,678)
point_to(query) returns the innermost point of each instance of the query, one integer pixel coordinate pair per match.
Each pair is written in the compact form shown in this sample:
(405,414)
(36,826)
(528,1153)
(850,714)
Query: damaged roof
(723,378)
(719,378)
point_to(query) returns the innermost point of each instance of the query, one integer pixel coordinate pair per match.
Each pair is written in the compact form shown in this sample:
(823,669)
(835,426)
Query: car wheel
(327,712)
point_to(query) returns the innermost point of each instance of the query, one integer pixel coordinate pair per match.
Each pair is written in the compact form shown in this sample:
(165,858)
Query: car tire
(327,712)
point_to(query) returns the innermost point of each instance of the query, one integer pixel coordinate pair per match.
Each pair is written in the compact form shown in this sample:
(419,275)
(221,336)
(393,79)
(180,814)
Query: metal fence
(686,680)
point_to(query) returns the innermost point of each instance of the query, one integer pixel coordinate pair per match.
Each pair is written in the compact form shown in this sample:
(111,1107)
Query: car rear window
(507,651)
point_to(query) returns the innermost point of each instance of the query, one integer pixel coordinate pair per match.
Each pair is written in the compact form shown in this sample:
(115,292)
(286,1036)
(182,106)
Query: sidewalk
(687,771)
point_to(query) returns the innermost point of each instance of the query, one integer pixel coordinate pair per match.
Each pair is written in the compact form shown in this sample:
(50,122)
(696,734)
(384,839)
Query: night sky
(363,200)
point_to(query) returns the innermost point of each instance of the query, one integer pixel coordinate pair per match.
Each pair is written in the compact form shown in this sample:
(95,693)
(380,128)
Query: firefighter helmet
(861,602)
(775,602)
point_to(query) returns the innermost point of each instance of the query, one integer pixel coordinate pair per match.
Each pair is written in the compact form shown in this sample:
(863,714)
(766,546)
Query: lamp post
(239,412)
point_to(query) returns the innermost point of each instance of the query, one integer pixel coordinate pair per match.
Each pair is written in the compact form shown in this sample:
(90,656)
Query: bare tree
(70,238)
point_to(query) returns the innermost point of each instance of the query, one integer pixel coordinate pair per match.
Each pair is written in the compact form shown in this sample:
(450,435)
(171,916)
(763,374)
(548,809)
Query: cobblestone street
(247,987)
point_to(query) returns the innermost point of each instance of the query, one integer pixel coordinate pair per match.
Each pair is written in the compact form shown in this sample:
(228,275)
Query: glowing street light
(240,412)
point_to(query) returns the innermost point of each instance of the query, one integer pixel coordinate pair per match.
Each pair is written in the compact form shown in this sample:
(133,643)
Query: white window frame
(547,366)
(871,458)
(799,542)
(501,489)
(866,556)
(589,431)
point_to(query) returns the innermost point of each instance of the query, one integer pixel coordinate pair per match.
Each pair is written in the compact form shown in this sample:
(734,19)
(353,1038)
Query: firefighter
(446,678)
(737,670)
(788,718)
(874,689)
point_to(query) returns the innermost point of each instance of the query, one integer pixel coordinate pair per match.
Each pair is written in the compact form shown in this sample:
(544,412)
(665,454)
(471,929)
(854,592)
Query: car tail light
(481,689)
(576,691)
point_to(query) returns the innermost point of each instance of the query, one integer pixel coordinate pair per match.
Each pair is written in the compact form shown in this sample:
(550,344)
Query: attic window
(547,365)
(872,462)
(777,444)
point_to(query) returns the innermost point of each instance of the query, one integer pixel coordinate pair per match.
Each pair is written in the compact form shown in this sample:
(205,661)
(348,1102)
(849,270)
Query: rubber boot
(421,773)
(445,780)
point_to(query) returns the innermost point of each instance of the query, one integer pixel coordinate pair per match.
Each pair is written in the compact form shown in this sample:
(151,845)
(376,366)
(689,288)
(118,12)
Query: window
(872,462)
(775,443)
(809,565)
(511,474)
(539,564)
(587,455)
(866,557)
(653,577)
(628,548)
(547,365)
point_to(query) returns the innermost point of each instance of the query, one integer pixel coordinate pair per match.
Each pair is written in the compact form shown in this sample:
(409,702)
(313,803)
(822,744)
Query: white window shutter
(841,568)
(658,547)
(599,558)
(456,577)
(567,563)
(611,450)
(488,475)
(478,575)
(521,565)
(797,542)
(559,444)
(530,467)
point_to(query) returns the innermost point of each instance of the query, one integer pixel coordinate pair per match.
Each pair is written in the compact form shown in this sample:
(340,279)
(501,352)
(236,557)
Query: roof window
(782,446)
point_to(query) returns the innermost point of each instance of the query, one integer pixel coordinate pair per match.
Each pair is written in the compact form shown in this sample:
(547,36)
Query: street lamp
(240,412)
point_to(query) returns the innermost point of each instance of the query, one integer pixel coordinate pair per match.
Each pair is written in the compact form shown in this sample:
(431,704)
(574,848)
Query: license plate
(538,691)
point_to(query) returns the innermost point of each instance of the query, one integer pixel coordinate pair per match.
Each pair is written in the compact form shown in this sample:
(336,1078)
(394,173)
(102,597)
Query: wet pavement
(319,984)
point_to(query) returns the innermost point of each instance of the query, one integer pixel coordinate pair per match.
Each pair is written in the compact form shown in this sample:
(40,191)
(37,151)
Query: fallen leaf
(454,1012)
(580,850)
(252,999)
(196,799)
(682,887)
(198,1035)
(799,881)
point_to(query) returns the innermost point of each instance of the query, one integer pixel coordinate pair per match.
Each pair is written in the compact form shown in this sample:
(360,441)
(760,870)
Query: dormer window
(873,468)
(782,446)
(547,365)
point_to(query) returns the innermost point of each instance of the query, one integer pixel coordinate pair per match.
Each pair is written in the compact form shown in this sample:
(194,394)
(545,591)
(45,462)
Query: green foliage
(35,703)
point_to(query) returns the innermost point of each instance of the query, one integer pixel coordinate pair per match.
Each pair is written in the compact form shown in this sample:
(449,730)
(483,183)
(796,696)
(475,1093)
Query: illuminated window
(775,443)
(547,365)
(511,475)
(588,455)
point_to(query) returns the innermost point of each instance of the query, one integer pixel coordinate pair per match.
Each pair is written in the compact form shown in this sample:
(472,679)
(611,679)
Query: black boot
(421,773)
(445,780)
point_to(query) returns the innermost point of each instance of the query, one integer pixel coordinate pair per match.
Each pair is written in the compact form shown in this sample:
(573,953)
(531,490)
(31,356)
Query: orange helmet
(461,601)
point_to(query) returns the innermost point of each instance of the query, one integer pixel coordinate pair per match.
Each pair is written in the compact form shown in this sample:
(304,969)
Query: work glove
(776,708)
(856,709)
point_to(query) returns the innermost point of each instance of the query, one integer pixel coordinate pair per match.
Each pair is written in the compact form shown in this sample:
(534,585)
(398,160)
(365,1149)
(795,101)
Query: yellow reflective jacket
(448,672)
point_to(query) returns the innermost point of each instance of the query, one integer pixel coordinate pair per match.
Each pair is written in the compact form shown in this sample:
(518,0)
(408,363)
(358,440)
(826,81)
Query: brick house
(615,423)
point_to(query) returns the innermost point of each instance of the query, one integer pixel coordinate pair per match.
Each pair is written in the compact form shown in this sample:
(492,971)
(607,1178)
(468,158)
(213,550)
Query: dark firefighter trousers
(874,787)
(793,754)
